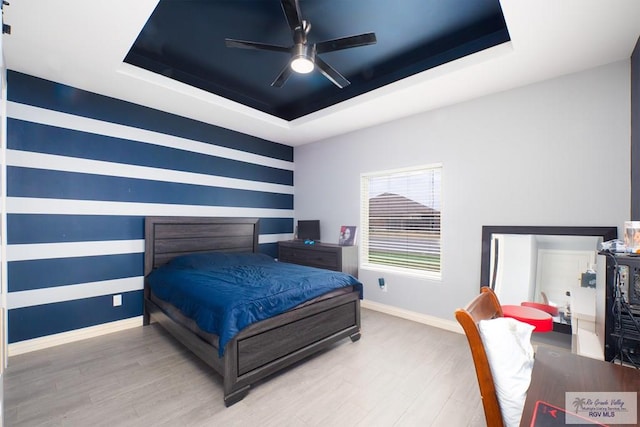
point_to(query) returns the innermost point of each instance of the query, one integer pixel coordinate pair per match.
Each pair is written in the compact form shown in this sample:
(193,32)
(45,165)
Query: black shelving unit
(624,309)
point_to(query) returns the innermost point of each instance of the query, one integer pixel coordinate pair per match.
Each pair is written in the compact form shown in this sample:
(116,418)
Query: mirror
(554,266)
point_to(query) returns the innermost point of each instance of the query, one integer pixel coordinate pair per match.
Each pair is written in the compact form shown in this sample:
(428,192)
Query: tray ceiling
(185,41)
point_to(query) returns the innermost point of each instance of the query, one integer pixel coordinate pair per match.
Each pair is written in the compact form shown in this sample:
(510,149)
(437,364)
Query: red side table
(542,321)
(552,310)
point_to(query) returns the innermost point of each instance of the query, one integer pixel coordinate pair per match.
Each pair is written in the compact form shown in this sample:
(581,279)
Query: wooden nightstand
(321,255)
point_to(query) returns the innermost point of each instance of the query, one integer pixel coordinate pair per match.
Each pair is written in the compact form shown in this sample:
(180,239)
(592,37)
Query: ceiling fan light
(302,58)
(302,65)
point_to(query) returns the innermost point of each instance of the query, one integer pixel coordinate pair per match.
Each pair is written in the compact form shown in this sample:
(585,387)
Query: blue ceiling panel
(185,41)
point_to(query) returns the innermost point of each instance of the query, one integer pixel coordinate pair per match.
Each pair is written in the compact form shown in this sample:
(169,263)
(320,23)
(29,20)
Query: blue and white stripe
(83,170)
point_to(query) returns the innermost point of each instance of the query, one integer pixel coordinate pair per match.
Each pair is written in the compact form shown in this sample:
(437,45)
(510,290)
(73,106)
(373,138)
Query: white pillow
(507,342)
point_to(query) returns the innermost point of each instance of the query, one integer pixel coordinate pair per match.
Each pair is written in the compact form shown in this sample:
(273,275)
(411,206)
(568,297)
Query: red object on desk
(542,321)
(547,415)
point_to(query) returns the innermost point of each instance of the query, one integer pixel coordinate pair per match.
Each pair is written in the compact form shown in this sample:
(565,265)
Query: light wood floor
(400,373)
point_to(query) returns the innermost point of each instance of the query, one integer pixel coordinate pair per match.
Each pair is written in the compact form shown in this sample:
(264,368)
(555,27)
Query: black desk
(558,371)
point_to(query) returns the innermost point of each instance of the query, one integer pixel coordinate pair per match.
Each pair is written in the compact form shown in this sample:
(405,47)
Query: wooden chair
(483,307)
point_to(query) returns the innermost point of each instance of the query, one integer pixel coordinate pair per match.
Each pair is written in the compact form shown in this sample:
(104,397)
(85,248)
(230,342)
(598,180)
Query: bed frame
(260,349)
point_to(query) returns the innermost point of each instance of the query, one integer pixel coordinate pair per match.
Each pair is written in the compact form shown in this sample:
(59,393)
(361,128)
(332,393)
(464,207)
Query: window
(400,220)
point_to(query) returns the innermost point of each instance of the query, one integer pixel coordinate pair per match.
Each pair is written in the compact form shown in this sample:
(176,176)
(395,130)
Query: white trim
(72,336)
(425,319)
(437,165)
(120,325)
(404,271)
(383,182)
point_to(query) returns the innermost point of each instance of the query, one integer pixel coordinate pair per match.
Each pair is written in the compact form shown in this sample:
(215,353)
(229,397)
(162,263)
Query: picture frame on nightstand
(348,234)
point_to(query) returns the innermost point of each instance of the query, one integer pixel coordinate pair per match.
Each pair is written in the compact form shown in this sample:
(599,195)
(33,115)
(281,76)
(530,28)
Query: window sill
(403,272)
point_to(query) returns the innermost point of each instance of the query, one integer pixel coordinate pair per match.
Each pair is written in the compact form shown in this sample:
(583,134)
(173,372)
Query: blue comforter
(224,292)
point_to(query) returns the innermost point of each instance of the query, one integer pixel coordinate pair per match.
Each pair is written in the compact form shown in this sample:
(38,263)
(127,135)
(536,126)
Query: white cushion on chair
(507,342)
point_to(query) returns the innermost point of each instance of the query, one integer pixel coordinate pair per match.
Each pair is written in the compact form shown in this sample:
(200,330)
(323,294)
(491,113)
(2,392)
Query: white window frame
(434,195)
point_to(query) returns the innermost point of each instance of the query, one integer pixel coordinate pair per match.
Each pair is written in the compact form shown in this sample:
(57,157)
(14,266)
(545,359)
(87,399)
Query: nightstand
(321,255)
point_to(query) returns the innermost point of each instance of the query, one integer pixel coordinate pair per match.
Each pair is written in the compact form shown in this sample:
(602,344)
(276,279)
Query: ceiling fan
(304,56)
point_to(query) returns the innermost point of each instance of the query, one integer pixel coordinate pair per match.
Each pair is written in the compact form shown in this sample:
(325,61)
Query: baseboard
(72,336)
(120,325)
(437,322)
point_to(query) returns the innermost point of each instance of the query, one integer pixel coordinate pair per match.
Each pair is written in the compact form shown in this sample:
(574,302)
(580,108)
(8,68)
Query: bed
(263,347)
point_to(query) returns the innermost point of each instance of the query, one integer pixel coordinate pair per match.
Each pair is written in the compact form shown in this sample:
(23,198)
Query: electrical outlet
(117,300)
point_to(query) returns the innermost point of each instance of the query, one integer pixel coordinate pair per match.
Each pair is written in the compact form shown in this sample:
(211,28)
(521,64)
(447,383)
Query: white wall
(553,153)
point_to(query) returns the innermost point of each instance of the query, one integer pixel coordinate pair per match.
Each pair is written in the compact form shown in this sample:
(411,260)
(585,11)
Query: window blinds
(401,212)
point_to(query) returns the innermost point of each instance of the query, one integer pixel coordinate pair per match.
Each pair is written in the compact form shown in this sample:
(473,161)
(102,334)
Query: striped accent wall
(83,170)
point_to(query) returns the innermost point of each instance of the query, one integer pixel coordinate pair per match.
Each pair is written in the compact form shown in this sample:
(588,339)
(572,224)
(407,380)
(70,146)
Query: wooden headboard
(166,237)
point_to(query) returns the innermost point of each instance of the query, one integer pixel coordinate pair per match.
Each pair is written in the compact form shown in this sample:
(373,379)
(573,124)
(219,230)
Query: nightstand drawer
(315,258)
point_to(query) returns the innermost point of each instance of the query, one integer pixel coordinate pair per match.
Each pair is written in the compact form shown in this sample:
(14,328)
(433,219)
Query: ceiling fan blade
(346,42)
(242,44)
(282,77)
(291,10)
(329,72)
